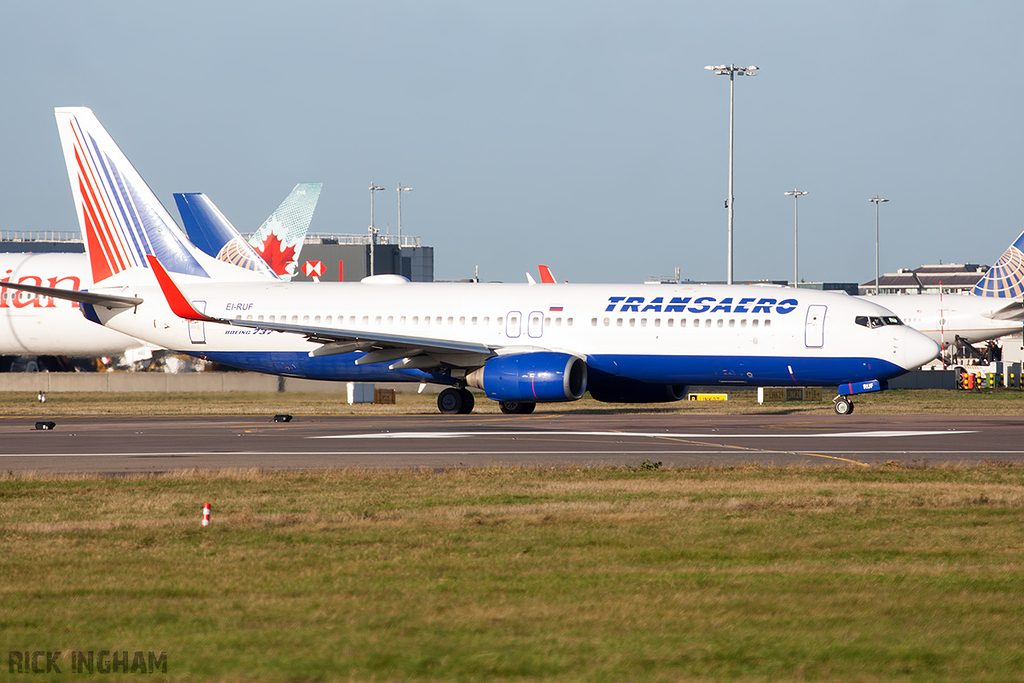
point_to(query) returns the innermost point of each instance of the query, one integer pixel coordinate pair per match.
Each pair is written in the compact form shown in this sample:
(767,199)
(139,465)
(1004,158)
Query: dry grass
(746,573)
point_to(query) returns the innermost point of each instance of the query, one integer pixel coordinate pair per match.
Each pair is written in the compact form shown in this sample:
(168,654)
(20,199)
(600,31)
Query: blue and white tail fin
(121,219)
(1005,279)
(213,233)
(279,240)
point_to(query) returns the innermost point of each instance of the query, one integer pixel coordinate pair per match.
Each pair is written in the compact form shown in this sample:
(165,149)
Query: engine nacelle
(622,390)
(541,377)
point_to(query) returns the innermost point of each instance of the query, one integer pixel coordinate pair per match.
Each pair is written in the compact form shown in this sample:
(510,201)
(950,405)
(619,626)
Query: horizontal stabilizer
(110,301)
(1011,311)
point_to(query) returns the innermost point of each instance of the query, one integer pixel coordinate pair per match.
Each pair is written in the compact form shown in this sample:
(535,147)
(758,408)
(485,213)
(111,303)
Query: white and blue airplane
(520,344)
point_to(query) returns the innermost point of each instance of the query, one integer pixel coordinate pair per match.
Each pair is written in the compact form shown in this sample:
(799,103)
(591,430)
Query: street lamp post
(877,200)
(796,194)
(400,191)
(373,230)
(731,70)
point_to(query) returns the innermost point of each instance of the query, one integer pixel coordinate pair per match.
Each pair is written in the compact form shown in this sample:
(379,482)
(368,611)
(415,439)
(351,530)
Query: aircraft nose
(918,348)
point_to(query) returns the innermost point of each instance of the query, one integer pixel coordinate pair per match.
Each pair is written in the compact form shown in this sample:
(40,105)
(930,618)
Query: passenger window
(707,322)
(643,322)
(462,320)
(618,322)
(391,320)
(607,322)
(743,323)
(657,322)
(720,321)
(271,318)
(593,322)
(632,322)
(472,321)
(732,323)
(670,321)
(568,322)
(316,320)
(768,323)
(753,323)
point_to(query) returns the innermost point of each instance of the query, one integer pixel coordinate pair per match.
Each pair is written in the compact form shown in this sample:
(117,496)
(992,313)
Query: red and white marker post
(206,515)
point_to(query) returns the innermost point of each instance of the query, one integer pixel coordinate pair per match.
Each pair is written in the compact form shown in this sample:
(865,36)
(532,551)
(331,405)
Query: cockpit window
(877,321)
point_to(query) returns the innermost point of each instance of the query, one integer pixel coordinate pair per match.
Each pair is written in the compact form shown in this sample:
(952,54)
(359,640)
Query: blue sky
(583,135)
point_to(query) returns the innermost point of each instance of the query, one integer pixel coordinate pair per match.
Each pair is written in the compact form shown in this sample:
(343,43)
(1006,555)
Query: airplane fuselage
(700,334)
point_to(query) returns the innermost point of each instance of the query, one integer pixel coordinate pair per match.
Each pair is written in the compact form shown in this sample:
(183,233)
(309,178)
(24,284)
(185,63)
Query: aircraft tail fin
(120,218)
(279,240)
(1006,278)
(213,233)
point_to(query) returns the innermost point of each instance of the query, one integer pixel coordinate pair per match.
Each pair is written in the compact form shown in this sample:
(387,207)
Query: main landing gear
(454,401)
(516,407)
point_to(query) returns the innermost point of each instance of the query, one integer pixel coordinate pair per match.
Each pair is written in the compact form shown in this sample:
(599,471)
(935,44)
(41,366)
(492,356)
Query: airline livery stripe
(101,232)
(102,221)
(108,192)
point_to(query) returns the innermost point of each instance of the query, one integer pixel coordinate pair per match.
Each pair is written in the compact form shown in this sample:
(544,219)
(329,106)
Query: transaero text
(700,304)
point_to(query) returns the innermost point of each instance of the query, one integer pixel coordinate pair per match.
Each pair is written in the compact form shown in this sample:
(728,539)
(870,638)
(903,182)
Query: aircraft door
(814,328)
(536,324)
(197,328)
(513,324)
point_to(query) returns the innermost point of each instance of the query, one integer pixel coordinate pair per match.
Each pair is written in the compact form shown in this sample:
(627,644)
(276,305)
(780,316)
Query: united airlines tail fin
(279,240)
(121,219)
(213,233)
(1006,278)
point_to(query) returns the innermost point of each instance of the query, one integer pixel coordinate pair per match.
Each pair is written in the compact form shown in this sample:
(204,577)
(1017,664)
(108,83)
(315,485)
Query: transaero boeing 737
(519,344)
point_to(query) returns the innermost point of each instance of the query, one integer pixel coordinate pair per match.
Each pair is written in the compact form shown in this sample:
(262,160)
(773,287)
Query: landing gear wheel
(516,407)
(843,406)
(467,401)
(450,401)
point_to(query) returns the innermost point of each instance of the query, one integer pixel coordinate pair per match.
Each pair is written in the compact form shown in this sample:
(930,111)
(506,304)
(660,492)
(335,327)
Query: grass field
(907,402)
(608,574)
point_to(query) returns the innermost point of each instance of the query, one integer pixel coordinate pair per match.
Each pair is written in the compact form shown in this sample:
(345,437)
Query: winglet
(545,275)
(180,306)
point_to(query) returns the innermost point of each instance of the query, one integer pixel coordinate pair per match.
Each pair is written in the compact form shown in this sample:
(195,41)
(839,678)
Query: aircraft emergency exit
(520,345)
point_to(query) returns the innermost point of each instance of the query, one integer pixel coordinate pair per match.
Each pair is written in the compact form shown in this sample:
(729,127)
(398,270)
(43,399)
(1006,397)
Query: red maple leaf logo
(277,256)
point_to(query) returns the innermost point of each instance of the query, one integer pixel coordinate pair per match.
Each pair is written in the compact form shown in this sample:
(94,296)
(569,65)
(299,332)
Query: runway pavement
(118,445)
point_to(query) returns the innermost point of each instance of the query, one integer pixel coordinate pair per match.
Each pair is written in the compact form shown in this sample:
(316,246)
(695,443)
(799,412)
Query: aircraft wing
(413,352)
(110,301)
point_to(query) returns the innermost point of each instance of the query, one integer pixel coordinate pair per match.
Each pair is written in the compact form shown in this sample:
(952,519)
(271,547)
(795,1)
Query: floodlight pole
(731,70)
(400,191)
(877,200)
(373,230)
(796,194)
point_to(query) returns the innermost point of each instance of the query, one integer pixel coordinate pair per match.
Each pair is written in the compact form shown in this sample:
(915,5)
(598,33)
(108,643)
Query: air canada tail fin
(213,233)
(1006,278)
(279,240)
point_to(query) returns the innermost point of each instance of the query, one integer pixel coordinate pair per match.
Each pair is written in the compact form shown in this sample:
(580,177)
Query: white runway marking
(643,435)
